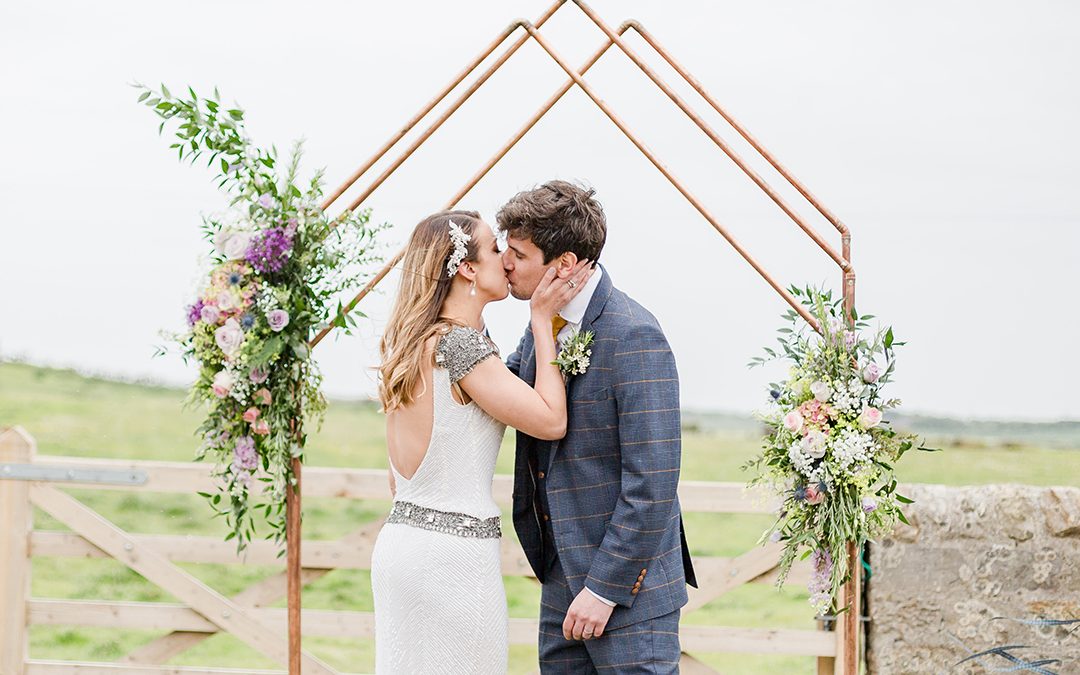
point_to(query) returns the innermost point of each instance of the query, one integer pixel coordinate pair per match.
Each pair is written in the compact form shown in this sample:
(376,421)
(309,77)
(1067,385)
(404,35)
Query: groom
(597,512)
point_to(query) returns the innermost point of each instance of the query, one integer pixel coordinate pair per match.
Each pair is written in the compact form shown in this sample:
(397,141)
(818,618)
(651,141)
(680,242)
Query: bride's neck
(467,310)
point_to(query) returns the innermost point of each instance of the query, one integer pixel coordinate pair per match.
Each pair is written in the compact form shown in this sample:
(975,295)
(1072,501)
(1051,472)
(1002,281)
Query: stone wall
(972,554)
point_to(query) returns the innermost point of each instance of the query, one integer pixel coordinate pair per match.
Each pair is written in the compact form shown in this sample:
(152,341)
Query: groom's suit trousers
(650,646)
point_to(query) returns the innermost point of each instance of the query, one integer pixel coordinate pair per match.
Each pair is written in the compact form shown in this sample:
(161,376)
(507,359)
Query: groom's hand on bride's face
(586,617)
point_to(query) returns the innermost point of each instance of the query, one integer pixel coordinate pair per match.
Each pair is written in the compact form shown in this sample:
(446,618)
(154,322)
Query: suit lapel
(596,307)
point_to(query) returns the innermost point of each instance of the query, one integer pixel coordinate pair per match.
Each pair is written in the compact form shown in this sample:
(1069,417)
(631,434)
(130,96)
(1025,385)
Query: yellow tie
(557,323)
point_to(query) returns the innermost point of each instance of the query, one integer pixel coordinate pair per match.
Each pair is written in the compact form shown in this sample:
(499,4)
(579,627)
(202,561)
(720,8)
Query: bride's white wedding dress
(440,605)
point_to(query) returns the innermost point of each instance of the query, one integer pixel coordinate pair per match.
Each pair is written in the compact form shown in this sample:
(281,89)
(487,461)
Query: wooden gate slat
(226,614)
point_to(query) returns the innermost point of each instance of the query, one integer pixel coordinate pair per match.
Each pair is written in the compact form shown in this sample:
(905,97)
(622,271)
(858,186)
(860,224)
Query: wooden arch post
(849,628)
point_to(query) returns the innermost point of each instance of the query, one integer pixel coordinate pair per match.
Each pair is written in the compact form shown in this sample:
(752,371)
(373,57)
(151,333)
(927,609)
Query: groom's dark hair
(558,217)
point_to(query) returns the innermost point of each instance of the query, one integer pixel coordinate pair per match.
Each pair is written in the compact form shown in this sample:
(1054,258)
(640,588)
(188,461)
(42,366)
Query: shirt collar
(574,311)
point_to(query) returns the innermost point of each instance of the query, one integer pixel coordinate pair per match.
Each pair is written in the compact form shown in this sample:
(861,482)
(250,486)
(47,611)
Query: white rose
(229,337)
(226,301)
(233,244)
(814,444)
(821,391)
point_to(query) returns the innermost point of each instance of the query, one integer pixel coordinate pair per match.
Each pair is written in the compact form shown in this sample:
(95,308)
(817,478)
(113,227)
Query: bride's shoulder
(460,348)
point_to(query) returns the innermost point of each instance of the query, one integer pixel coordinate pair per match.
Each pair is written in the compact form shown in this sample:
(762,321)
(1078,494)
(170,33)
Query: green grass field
(73,415)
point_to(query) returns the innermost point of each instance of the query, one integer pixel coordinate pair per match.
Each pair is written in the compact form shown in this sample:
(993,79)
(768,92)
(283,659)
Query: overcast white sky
(943,133)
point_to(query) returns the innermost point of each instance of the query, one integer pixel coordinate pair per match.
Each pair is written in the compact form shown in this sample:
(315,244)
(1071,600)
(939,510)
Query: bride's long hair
(424,286)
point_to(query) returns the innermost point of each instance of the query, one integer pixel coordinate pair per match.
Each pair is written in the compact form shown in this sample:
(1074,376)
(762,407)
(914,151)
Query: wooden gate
(28,479)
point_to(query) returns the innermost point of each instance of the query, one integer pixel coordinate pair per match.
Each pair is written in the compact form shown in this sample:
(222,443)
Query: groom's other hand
(586,617)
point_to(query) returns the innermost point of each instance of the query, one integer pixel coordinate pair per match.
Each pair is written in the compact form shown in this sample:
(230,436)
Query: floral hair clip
(461,249)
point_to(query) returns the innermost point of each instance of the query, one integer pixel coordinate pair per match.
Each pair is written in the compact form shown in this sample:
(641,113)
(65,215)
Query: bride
(440,606)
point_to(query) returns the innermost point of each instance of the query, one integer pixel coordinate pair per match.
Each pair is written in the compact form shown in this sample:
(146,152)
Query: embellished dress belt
(460,524)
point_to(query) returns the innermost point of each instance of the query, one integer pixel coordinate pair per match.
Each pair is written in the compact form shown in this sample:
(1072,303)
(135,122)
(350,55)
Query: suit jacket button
(547,517)
(540,474)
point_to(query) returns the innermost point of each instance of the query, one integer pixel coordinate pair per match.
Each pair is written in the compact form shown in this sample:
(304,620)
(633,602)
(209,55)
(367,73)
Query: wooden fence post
(16,447)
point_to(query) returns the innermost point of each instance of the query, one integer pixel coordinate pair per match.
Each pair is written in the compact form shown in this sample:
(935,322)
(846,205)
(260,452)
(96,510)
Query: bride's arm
(539,411)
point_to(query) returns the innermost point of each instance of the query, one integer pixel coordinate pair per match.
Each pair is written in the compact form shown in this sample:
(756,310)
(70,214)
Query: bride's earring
(472,289)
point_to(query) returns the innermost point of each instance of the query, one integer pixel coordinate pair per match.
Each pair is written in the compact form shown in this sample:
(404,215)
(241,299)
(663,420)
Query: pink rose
(223,383)
(793,421)
(261,428)
(251,414)
(869,417)
(871,373)
(258,375)
(814,495)
(263,395)
(229,337)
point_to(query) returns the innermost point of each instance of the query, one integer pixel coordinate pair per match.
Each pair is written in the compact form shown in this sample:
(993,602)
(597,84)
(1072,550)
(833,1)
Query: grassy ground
(73,415)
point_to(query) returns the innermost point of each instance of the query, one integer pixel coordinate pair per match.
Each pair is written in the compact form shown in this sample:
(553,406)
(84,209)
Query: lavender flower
(195,312)
(820,585)
(269,250)
(869,504)
(244,456)
(265,201)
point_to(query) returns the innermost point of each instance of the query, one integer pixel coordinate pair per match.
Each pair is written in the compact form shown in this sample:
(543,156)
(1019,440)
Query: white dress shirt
(574,313)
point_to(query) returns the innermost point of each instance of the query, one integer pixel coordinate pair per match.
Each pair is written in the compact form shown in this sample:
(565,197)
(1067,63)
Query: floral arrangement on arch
(277,267)
(829,451)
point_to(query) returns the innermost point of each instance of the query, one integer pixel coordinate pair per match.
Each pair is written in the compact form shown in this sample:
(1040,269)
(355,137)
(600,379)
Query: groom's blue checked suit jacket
(610,484)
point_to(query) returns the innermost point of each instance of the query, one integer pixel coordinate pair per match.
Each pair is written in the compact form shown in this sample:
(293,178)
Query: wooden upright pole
(292,551)
(852,594)
(16,447)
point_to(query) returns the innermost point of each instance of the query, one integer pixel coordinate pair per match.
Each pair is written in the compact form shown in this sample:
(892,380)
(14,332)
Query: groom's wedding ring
(571,284)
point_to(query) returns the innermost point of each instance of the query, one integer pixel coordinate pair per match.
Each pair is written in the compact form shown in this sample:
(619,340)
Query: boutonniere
(573,358)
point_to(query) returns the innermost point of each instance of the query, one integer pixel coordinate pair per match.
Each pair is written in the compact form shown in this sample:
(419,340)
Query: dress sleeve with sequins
(461,349)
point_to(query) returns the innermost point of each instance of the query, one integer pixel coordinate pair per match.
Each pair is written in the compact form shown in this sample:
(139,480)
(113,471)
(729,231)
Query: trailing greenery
(829,453)
(278,265)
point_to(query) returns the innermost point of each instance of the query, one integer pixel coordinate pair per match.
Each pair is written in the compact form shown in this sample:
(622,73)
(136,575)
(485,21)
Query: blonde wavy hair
(424,286)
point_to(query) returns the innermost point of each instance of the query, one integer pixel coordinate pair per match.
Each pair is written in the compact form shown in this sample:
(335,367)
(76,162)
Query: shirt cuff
(599,597)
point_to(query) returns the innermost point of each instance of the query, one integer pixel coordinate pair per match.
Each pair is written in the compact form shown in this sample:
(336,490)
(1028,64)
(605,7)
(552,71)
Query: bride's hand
(552,293)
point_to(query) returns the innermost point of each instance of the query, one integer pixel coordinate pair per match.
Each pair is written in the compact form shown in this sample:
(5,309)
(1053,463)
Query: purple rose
(210,314)
(278,319)
(871,373)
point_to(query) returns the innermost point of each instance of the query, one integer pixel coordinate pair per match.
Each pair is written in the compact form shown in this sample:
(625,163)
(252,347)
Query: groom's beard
(514,292)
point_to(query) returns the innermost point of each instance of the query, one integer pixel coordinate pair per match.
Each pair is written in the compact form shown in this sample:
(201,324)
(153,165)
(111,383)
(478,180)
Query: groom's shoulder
(630,318)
